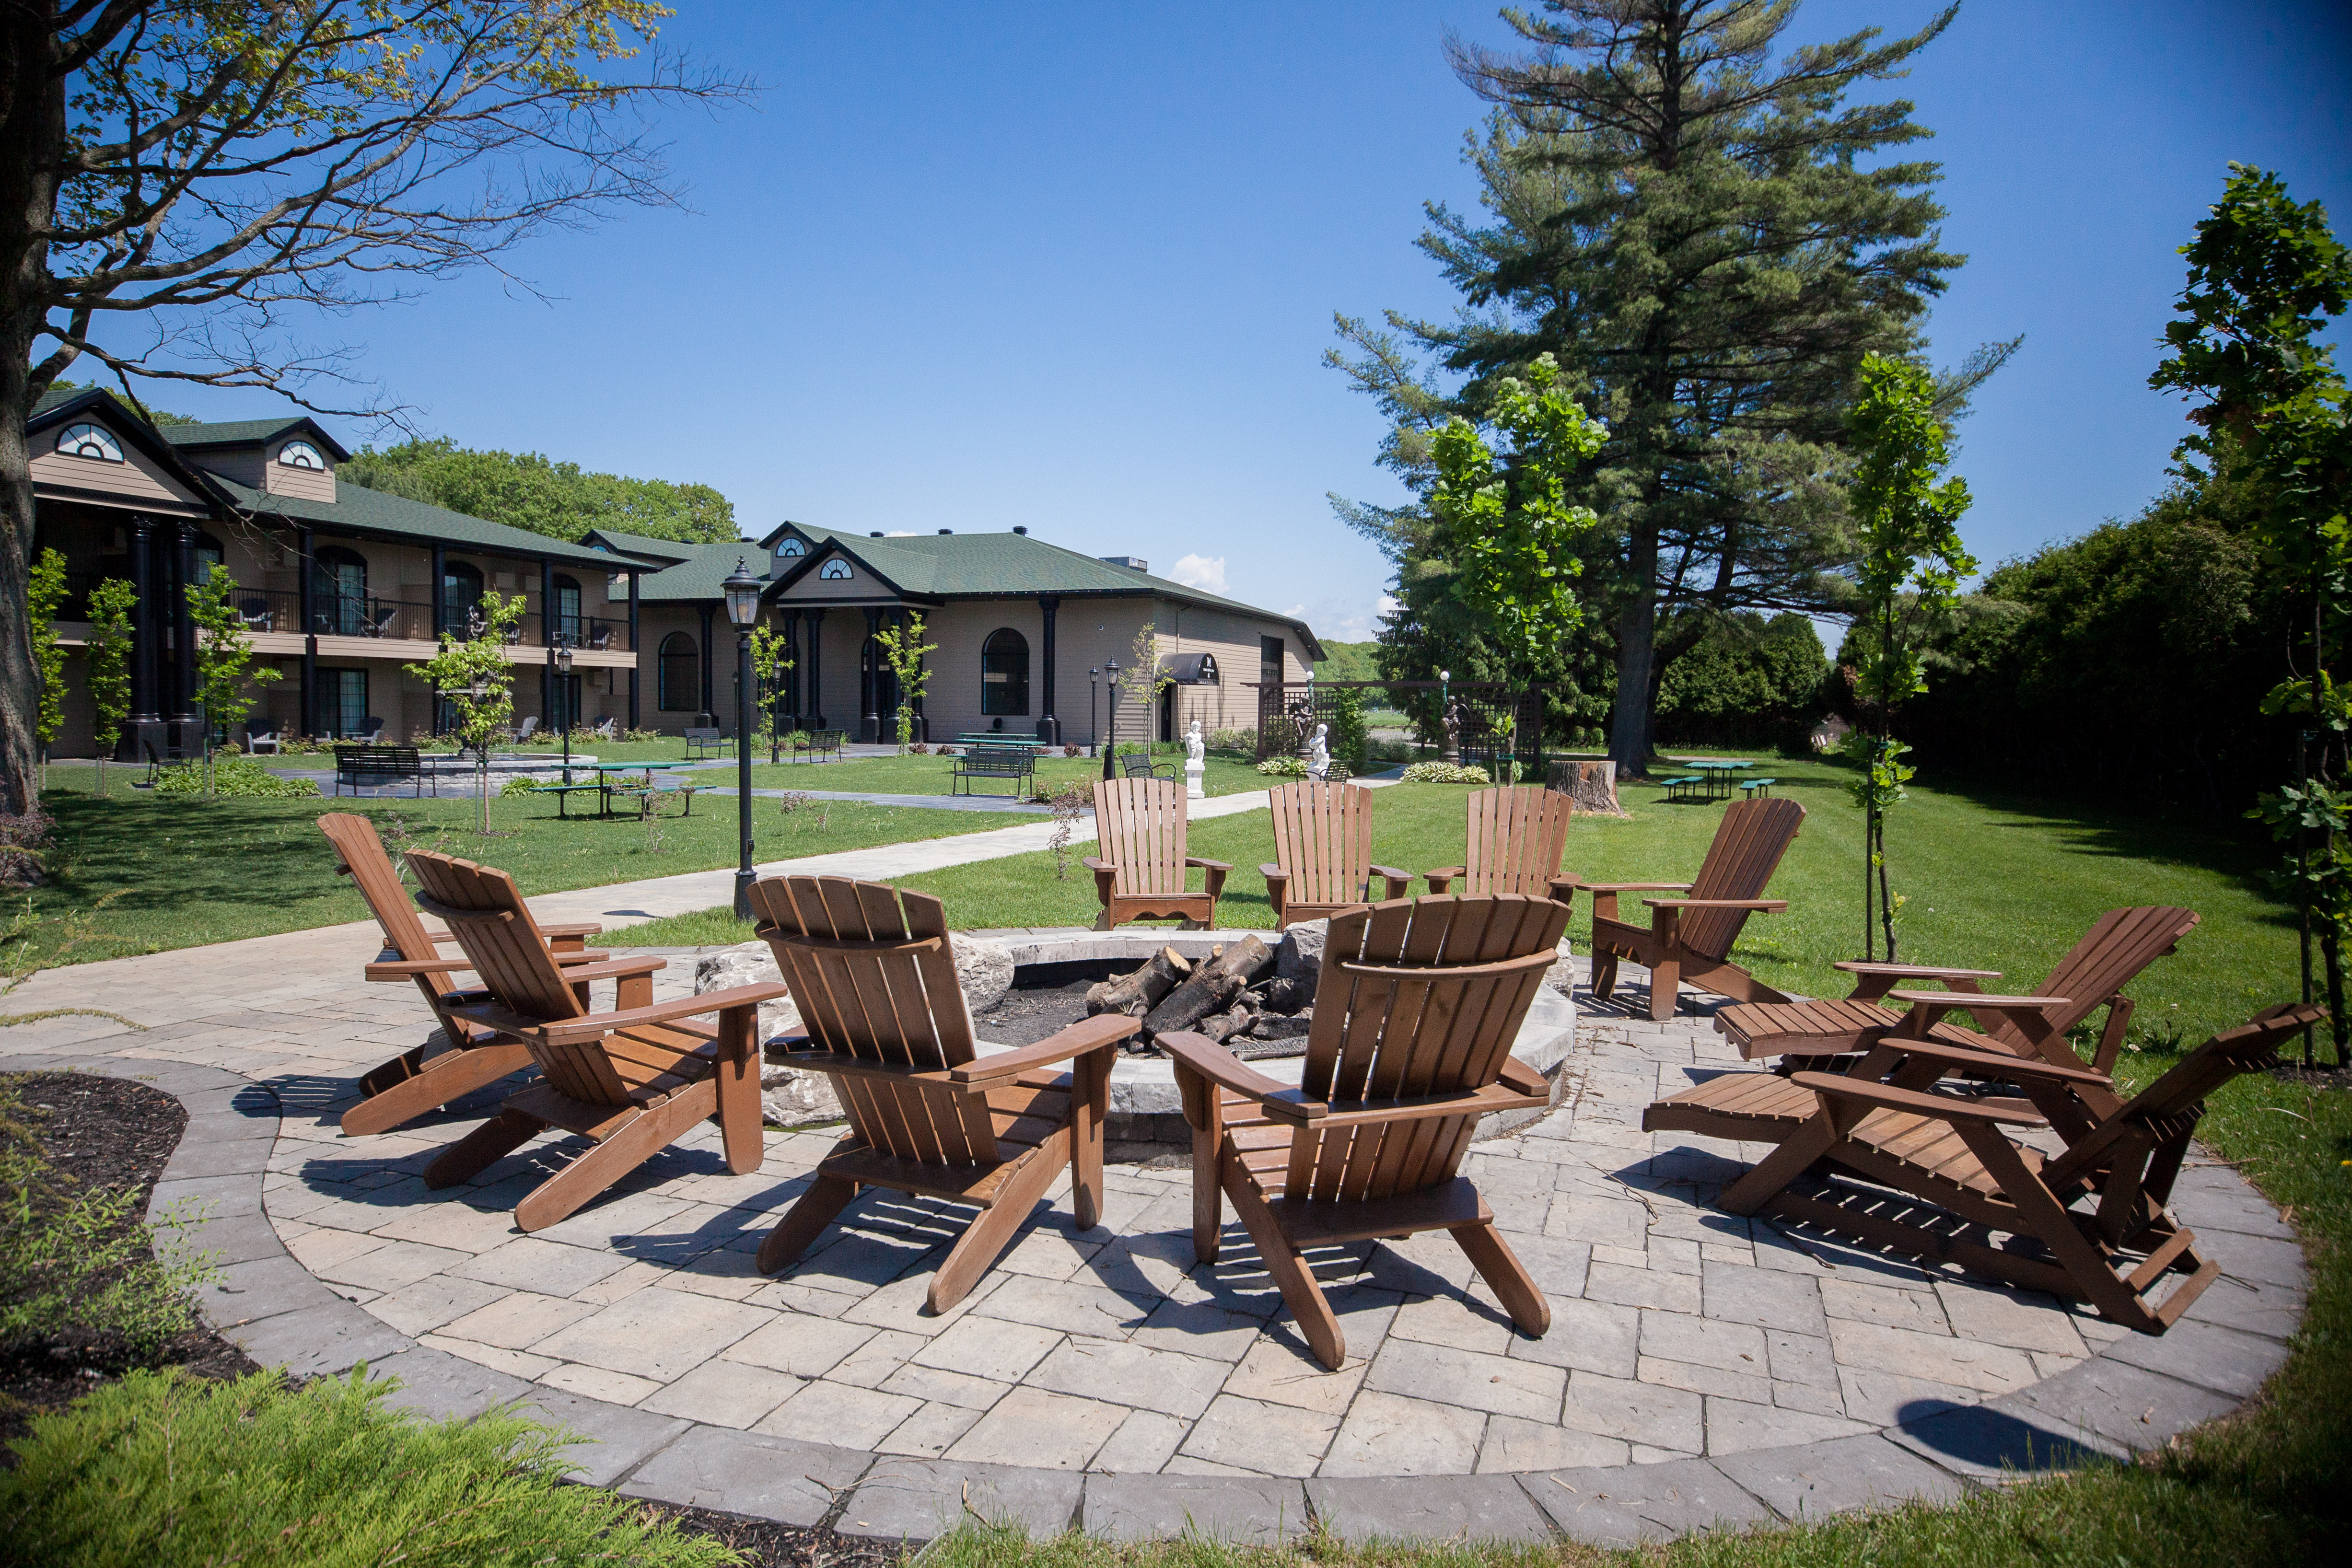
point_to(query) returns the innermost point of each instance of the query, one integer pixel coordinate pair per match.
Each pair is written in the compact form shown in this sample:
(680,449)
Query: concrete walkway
(1701,1368)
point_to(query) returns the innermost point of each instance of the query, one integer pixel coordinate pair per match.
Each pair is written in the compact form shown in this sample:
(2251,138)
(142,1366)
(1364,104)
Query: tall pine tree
(1682,223)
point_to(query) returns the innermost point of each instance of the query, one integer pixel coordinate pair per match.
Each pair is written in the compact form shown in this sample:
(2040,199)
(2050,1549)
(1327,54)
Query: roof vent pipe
(874,533)
(946,531)
(1023,531)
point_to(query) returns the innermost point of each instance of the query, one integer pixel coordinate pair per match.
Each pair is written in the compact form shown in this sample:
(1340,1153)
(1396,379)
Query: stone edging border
(2136,1395)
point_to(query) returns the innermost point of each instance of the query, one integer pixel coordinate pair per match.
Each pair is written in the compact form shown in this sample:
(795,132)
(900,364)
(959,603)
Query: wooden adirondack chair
(1951,1152)
(1762,1107)
(1323,851)
(884,1019)
(1689,938)
(1139,875)
(634,1080)
(1512,844)
(409,1085)
(1414,1015)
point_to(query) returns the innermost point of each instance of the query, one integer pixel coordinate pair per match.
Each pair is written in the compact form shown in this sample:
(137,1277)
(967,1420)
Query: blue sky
(1074,266)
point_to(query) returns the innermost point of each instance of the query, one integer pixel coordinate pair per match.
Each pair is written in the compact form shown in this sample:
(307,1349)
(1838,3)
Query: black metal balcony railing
(580,631)
(364,615)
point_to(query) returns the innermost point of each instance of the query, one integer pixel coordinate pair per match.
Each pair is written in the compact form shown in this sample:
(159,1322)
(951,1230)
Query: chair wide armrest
(1992,1063)
(1943,1002)
(405,969)
(565,1031)
(1943,1107)
(615,968)
(1400,881)
(1913,971)
(1629,886)
(1213,1061)
(996,1070)
(1207,864)
(1271,871)
(1096,865)
(1442,878)
(1760,906)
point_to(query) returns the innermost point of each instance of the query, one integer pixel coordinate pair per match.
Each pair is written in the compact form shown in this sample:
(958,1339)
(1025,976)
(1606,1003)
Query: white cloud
(1205,573)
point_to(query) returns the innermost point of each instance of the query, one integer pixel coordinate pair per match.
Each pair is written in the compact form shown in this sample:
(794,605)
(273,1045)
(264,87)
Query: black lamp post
(1094,678)
(563,701)
(1110,714)
(743,609)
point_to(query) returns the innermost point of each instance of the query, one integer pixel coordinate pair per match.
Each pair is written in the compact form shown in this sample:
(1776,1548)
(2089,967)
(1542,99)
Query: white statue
(1195,762)
(1318,755)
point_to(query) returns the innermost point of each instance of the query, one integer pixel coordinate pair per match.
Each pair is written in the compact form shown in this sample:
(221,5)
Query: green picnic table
(1718,773)
(607,784)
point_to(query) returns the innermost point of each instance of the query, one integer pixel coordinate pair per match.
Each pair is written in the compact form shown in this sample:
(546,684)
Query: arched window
(679,674)
(461,595)
(566,610)
(1004,672)
(834,570)
(301,454)
(791,547)
(92,441)
(339,586)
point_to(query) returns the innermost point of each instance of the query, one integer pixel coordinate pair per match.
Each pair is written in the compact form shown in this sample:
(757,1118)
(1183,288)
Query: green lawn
(1994,883)
(934,775)
(182,871)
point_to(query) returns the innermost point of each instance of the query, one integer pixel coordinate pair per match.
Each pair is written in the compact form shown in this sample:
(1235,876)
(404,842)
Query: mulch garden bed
(100,1132)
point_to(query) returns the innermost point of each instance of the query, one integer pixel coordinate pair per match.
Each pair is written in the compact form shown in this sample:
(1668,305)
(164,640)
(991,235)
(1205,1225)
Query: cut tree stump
(1591,786)
(1138,993)
(1212,987)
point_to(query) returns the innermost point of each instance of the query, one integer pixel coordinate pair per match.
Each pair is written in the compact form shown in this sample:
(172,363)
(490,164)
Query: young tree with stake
(1907,523)
(46,594)
(224,660)
(472,673)
(109,657)
(903,649)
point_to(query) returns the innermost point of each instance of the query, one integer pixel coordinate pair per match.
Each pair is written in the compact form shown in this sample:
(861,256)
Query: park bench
(706,741)
(1138,765)
(1688,787)
(377,767)
(1751,788)
(1017,763)
(820,742)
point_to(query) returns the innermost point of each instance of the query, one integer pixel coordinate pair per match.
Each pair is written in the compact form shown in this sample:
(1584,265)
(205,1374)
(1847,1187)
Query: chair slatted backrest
(1140,825)
(873,974)
(361,848)
(1739,864)
(1516,833)
(2168,1109)
(1416,997)
(1323,838)
(2110,954)
(511,961)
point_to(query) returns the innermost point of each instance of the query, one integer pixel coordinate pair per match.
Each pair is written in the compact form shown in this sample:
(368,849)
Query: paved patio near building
(1700,1368)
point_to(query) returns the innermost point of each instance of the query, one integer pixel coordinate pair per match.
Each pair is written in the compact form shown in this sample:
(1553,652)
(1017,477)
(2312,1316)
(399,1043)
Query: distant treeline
(528,491)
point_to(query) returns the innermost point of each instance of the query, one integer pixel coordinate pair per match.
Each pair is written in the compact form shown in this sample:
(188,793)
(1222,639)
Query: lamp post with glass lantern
(742,590)
(1110,714)
(563,699)
(1094,679)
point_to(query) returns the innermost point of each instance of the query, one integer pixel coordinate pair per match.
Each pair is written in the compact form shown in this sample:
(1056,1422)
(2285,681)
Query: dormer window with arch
(301,454)
(834,570)
(791,548)
(94,442)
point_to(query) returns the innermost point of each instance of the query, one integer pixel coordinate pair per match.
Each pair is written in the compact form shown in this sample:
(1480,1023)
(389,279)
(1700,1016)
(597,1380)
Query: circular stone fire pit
(1145,1113)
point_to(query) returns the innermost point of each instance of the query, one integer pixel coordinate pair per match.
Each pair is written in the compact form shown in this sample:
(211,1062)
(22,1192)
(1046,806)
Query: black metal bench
(706,742)
(1138,765)
(820,742)
(1018,763)
(379,766)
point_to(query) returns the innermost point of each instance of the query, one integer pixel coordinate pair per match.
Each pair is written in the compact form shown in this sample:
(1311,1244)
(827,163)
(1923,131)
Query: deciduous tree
(473,675)
(224,660)
(109,660)
(184,179)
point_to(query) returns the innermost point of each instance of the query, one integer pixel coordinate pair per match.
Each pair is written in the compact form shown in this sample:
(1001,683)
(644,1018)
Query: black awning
(1190,669)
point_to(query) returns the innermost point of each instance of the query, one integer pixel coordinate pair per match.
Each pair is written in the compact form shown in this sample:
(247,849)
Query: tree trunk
(1212,987)
(1591,786)
(1138,993)
(32,129)
(1637,627)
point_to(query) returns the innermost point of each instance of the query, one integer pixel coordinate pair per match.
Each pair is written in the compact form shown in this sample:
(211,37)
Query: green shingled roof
(357,506)
(671,550)
(246,432)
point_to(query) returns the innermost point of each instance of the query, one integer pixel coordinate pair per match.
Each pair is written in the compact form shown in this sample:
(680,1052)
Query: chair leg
(1666,984)
(483,1147)
(1208,1191)
(411,1086)
(986,1236)
(801,1224)
(1604,972)
(1090,1104)
(739,1090)
(1299,1291)
(572,1189)
(1492,1258)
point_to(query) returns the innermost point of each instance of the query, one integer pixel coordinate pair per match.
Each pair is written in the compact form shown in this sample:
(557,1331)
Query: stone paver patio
(1701,1368)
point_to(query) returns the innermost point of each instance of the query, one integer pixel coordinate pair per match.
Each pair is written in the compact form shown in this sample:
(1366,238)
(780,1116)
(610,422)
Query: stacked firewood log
(1233,997)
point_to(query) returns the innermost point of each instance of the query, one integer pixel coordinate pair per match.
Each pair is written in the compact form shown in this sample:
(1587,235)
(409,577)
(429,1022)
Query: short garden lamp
(563,699)
(742,591)
(1110,714)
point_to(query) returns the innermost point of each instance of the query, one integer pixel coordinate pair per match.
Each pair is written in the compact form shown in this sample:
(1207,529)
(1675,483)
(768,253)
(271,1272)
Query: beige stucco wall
(310,483)
(137,478)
